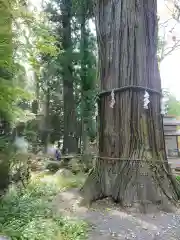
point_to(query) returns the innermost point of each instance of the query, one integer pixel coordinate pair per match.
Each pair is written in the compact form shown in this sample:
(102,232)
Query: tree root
(131,184)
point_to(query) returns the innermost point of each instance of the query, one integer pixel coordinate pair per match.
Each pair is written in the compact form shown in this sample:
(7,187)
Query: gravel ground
(109,222)
(119,225)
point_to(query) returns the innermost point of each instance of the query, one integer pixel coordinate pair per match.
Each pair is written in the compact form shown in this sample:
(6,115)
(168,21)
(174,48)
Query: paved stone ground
(109,222)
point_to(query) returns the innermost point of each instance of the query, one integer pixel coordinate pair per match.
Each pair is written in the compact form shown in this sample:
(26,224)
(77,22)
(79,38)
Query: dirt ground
(108,221)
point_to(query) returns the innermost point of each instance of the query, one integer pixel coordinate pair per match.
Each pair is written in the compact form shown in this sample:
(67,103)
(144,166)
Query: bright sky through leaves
(170,67)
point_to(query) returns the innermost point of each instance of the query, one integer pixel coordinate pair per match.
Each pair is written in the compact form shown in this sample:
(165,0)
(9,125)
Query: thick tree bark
(70,142)
(127,36)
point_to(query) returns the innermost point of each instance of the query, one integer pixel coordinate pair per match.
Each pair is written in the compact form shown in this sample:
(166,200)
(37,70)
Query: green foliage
(178,178)
(17,47)
(80,165)
(6,90)
(5,37)
(20,173)
(10,88)
(29,215)
(173,105)
(9,98)
(31,132)
(6,151)
(53,166)
(79,5)
(75,181)
(20,77)
(4,173)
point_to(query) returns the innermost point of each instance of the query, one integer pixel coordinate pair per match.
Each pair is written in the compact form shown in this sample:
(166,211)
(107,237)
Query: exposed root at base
(132,185)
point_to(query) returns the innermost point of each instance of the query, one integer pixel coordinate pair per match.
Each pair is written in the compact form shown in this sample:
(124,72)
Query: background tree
(77,60)
(87,72)
(173,105)
(70,143)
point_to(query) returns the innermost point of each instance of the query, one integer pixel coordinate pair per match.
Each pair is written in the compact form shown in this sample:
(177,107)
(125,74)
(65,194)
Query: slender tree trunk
(87,80)
(47,119)
(127,38)
(83,79)
(70,143)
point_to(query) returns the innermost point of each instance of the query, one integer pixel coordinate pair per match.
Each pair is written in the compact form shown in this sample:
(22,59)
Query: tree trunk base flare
(132,184)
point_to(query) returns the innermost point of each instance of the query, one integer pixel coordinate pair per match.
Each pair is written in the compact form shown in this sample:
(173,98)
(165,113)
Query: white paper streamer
(112,99)
(146,100)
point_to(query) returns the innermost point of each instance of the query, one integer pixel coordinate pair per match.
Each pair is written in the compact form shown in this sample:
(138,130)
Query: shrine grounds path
(107,221)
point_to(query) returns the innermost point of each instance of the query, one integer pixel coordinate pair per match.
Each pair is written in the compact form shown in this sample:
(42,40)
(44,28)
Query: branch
(170,50)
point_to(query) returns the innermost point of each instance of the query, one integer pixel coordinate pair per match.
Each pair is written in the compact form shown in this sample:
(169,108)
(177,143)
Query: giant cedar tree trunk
(127,38)
(70,143)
